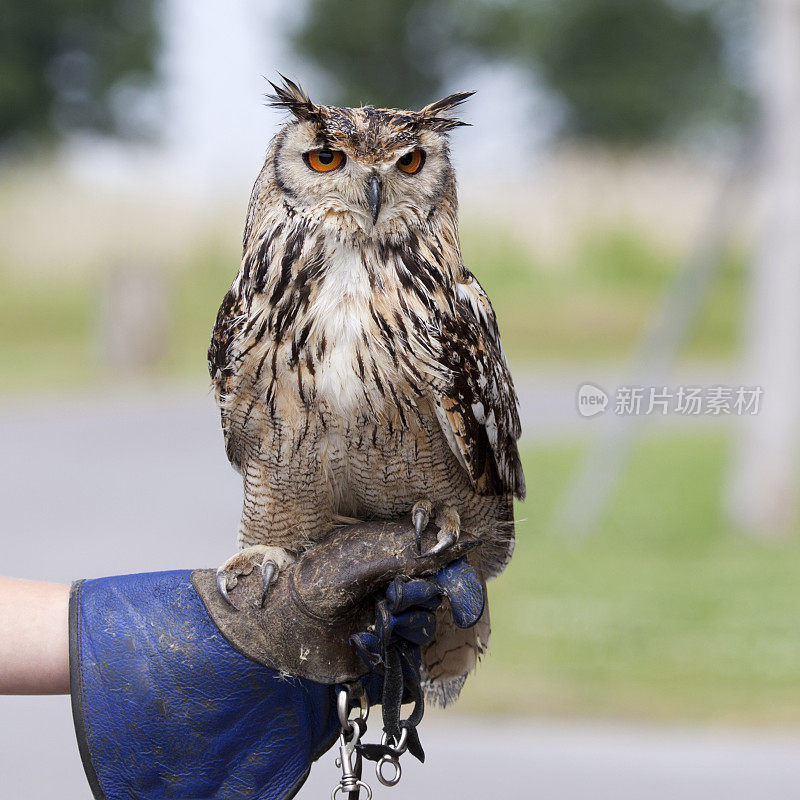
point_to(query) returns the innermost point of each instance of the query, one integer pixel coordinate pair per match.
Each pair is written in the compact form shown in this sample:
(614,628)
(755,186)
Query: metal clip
(351,772)
(350,781)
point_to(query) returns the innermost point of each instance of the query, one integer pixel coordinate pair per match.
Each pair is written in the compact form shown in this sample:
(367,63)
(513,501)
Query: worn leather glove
(177,695)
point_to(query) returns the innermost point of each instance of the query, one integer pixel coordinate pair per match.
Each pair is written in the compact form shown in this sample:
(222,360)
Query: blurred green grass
(664,613)
(46,332)
(595,304)
(590,307)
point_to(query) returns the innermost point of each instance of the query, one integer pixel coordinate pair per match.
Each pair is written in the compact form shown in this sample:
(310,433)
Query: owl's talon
(420,514)
(222,585)
(269,571)
(420,523)
(268,561)
(446,540)
(449,523)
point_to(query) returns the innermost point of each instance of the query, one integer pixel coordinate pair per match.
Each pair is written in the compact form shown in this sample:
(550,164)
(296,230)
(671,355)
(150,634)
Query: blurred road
(469,759)
(555,760)
(139,482)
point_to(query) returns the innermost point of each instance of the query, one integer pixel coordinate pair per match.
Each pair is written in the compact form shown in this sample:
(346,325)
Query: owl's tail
(451,656)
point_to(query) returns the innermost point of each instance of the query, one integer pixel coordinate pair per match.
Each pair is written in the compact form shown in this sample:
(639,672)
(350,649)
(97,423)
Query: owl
(357,362)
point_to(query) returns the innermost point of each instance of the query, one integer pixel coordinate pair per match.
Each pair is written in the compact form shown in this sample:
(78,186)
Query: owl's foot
(449,523)
(421,515)
(268,560)
(447,519)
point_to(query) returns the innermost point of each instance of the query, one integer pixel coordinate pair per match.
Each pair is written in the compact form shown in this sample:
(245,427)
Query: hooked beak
(374,196)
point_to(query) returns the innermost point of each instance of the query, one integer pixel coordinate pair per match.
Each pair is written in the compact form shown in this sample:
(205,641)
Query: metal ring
(398,771)
(401,746)
(340,788)
(343,708)
(363,703)
(343,699)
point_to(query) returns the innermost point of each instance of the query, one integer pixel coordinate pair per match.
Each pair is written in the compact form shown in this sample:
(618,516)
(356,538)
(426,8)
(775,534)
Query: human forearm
(34,640)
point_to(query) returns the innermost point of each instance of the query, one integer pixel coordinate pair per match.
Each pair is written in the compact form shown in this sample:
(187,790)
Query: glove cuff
(164,707)
(77,692)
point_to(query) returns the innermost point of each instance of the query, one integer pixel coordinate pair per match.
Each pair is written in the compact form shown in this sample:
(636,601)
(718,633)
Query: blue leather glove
(165,706)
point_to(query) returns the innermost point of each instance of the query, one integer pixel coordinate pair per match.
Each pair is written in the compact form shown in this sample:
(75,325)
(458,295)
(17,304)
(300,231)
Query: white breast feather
(340,310)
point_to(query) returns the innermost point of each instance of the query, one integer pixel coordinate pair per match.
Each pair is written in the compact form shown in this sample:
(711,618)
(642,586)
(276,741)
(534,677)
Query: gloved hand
(317,603)
(405,621)
(176,695)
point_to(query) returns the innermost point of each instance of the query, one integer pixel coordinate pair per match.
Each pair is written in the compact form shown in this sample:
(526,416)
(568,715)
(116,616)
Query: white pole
(591,489)
(763,490)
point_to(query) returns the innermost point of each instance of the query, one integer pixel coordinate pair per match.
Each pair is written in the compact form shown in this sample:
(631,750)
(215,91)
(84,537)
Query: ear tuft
(294,98)
(446,103)
(431,113)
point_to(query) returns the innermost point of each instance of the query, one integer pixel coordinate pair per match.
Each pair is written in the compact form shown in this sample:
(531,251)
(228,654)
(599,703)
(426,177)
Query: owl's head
(379,171)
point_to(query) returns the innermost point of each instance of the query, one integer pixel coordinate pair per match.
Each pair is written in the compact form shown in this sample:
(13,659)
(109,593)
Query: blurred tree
(384,52)
(625,69)
(61,61)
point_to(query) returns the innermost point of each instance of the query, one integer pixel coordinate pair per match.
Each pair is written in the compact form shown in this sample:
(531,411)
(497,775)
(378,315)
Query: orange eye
(324,160)
(411,162)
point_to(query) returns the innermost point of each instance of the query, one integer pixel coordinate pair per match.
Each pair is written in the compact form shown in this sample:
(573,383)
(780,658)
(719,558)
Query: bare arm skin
(34,637)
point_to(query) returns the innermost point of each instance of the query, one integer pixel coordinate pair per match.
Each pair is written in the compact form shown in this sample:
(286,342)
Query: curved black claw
(222,585)
(420,514)
(420,523)
(269,572)
(446,539)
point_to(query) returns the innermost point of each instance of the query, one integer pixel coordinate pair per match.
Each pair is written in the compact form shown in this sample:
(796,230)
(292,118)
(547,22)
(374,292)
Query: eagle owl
(357,362)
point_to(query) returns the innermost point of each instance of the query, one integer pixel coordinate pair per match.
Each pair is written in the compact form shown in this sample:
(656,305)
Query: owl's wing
(231,319)
(478,408)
